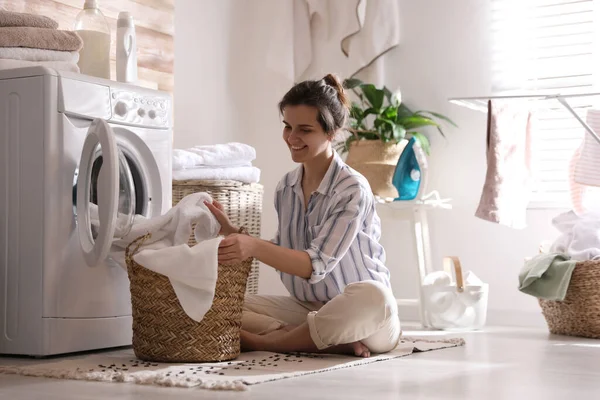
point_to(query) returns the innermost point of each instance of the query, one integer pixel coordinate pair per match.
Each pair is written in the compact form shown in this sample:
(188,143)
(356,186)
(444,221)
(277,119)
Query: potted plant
(380,126)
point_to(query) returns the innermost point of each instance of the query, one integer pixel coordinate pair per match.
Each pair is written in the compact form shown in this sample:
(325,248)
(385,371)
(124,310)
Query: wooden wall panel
(154,31)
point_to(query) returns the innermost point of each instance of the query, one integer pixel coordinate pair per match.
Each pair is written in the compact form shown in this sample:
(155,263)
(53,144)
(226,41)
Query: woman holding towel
(326,248)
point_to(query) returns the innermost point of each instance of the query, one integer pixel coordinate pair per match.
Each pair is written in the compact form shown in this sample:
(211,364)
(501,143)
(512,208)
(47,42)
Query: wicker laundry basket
(163,332)
(579,313)
(242,203)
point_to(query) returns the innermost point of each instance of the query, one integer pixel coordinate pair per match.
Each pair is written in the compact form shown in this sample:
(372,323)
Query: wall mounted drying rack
(480,104)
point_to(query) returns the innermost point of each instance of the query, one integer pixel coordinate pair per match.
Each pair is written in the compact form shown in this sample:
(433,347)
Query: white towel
(580,235)
(346,36)
(191,270)
(57,65)
(214,155)
(242,174)
(510,164)
(29,54)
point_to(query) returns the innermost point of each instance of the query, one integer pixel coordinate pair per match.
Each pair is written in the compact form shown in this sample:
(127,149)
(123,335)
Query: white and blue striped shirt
(340,230)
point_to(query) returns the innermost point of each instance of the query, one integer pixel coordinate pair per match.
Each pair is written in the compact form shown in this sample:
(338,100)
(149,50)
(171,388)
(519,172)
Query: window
(549,47)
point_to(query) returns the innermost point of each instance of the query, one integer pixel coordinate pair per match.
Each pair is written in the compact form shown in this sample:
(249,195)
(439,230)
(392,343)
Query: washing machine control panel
(140,108)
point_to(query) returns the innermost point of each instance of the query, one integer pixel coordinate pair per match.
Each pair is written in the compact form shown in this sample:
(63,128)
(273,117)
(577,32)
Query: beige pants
(366,311)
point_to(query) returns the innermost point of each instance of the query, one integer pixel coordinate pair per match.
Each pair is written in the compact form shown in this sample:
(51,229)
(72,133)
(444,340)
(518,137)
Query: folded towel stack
(27,40)
(230,161)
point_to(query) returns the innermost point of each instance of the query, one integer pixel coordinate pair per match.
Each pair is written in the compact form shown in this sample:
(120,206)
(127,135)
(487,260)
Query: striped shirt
(339,229)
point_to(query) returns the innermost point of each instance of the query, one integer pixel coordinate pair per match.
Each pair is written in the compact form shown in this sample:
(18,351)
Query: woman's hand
(217,209)
(236,248)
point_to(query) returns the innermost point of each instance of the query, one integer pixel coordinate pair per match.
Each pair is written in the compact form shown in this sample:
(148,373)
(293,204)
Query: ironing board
(416,212)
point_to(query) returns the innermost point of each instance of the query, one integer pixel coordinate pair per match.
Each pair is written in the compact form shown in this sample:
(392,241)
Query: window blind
(548,47)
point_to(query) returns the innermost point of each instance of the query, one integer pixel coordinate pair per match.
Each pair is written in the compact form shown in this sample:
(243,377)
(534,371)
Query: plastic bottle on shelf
(126,49)
(91,25)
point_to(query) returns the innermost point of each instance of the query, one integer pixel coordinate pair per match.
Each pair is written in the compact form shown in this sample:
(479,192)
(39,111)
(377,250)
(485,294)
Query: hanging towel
(242,174)
(587,168)
(547,276)
(579,235)
(508,182)
(10,18)
(343,36)
(214,155)
(40,38)
(347,36)
(57,65)
(27,54)
(192,271)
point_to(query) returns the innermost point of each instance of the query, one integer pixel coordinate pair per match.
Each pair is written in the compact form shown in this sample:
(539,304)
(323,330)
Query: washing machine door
(105,193)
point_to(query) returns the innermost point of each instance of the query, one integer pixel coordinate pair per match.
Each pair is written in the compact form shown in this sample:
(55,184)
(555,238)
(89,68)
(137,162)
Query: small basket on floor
(242,203)
(163,332)
(579,313)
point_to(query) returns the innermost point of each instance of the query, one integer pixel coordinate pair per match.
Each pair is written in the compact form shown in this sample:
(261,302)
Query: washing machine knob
(121,108)
(141,112)
(152,114)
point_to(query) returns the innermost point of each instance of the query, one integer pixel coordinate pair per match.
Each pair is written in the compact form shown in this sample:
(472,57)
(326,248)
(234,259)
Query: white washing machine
(68,141)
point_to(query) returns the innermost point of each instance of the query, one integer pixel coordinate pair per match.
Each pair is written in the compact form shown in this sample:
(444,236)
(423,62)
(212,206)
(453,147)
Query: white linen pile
(192,271)
(228,161)
(579,235)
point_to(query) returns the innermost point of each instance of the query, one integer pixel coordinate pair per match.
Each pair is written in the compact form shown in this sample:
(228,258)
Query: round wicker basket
(163,332)
(242,203)
(579,313)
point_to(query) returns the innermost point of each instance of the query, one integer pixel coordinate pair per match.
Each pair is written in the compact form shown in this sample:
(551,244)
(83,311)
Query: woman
(326,248)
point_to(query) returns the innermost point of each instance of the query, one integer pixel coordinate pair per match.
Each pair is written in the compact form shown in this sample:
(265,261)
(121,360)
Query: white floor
(500,363)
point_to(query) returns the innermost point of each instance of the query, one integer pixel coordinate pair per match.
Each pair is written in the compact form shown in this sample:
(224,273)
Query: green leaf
(441,132)
(374,96)
(385,127)
(440,116)
(355,107)
(356,112)
(370,136)
(370,111)
(416,122)
(357,125)
(423,141)
(382,121)
(404,111)
(390,113)
(351,83)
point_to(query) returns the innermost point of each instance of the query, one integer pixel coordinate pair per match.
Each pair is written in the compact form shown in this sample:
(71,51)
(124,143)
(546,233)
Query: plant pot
(376,161)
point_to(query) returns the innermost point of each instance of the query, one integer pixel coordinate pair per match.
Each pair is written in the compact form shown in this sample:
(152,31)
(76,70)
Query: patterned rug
(248,369)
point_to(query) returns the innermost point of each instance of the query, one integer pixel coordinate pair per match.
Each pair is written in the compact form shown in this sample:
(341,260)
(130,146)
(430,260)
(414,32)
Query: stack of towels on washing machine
(228,161)
(27,40)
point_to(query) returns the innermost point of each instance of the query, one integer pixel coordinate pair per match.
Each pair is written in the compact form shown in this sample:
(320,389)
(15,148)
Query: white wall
(201,94)
(445,54)
(223,91)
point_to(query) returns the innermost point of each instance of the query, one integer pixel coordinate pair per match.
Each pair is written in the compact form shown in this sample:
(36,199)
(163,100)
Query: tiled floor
(500,363)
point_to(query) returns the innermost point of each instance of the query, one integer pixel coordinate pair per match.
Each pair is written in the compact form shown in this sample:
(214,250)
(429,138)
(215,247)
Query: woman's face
(303,134)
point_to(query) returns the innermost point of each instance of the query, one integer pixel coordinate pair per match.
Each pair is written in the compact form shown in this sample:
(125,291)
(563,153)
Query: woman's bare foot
(357,349)
(282,341)
(250,341)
